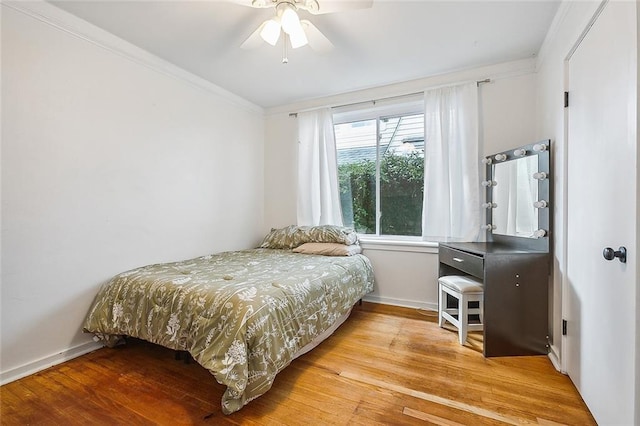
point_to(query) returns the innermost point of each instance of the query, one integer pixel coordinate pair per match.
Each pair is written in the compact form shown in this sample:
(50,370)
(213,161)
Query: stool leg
(442,299)
(463,319)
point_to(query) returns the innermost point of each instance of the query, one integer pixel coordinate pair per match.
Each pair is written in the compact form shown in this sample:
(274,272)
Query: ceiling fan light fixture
(271,32)
(296,32)
(298,38)
(290,20)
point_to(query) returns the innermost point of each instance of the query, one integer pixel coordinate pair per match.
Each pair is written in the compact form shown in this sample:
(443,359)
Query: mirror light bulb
(539,147)
(489,205)
(488,183)
(488,227)
(486,160)
(541,204)
(540,175)
(520,152)
(500,157)
(539,233)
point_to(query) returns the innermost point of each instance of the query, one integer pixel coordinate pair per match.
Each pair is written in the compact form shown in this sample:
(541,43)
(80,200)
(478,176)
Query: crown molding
(79,28)
(552,33)
(570,23)
(493,72)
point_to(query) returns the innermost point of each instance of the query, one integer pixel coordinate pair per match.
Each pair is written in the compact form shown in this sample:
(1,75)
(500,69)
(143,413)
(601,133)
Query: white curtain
(451,210)
(318,191)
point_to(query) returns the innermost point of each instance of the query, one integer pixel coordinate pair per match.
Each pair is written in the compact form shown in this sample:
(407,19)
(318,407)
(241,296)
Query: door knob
(610,254)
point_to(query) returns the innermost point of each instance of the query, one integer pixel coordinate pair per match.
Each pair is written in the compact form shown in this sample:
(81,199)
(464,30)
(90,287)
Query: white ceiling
(390,42)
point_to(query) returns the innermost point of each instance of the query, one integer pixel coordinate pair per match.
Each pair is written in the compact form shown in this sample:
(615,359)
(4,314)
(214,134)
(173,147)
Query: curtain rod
(295,114)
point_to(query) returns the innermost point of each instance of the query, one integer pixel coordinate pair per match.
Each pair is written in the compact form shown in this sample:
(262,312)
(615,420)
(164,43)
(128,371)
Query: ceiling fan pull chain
(285,41)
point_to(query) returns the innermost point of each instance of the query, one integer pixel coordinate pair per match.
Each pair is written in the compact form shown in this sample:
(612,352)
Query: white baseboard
(48,361)
(401,302)
(555,358)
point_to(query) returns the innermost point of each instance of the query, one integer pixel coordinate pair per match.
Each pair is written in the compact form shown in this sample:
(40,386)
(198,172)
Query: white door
(600,304)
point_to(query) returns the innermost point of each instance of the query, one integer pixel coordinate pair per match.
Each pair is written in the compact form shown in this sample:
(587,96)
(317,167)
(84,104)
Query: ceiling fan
(295,31)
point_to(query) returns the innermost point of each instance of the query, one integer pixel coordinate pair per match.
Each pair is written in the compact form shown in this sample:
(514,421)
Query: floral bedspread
(243,315)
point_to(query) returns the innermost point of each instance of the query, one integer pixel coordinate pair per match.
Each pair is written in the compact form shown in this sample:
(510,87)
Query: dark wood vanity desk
(516,283)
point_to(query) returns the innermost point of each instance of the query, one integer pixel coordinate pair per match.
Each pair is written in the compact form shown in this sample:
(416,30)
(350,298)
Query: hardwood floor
(385,365)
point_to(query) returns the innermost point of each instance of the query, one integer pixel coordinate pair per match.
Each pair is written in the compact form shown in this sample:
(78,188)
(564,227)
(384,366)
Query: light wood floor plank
(439,421)
(433,398)
(385,365)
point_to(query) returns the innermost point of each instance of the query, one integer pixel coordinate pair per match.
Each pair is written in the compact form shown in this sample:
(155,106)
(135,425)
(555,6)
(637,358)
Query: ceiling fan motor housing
(310,5)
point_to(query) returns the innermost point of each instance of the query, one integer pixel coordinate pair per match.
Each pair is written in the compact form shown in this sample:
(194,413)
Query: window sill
(390,244)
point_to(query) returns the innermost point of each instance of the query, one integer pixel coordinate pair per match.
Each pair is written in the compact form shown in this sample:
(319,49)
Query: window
(381,170)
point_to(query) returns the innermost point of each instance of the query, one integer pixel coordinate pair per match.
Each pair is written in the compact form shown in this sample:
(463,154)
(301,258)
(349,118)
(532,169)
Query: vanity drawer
(467,262)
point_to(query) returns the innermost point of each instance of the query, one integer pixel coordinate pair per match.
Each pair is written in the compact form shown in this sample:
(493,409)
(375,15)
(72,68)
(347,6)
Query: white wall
(111,159)
(406,277)
(281,169)
(508,113)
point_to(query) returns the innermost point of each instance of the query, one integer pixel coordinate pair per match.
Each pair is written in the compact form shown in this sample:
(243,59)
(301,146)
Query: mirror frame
(544,193)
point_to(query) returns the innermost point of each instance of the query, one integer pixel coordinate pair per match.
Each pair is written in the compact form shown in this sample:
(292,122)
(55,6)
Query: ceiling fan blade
(331,6)
(317,40)
(253,3)
(254,40)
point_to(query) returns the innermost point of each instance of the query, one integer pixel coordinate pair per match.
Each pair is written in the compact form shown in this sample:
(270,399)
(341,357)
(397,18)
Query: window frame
(409,105)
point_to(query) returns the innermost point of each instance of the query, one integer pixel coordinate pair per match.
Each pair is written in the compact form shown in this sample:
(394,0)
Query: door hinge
(566,99)
(564,327)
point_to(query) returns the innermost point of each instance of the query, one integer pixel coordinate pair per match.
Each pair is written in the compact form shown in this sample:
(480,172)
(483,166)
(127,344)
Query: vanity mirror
(518,196)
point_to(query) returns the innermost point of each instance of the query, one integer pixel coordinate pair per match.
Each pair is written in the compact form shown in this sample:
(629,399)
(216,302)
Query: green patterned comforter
(243,315)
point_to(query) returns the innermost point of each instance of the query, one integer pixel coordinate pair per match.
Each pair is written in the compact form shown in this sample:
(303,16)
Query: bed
(243,315)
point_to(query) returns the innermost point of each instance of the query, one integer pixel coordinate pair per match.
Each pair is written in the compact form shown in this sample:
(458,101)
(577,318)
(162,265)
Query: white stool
(465,289)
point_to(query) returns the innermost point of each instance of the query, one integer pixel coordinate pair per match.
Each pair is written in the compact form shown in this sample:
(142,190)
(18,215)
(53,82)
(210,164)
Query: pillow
(293,236)
(328,249)
(283,238)
(329,234)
